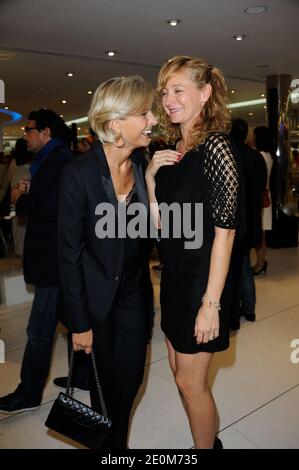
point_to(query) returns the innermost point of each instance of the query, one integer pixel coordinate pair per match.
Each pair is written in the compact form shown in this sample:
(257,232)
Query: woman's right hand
(83,341)
(162,158)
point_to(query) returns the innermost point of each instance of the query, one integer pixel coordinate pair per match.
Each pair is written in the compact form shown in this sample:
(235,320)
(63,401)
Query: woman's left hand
(206,324)
(83,341)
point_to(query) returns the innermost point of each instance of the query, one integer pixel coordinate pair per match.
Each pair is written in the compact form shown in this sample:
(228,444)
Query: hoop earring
(117,138)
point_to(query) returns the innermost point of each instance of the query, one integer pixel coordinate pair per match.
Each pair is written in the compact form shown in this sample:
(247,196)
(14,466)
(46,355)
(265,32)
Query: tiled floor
(255,384)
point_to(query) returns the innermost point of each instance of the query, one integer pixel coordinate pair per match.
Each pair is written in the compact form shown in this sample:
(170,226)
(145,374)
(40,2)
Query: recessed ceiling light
(63,101)
(173,22)
(79,128)
(61,115)
(232,92)
(111,53)
(263,95)
(22,128)
(239,37)
(256,9)
(89,92)
(70,74)
(265,107)
(5,107)
(250,114)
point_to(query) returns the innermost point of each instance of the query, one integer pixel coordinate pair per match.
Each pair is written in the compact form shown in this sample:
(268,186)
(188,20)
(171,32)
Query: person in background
(200,169)
(46,137)
(84,146)
(255,177)
(105,279)
(264,144)
(23,159)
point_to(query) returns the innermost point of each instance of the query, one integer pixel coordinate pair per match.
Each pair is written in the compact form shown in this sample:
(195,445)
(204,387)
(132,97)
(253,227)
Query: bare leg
(191,371)
(261,253)
(171,360)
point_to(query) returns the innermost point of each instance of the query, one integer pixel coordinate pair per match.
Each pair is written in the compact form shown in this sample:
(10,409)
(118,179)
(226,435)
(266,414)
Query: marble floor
(255,383)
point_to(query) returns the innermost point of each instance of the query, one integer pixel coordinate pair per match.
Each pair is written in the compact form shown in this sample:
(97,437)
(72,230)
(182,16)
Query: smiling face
(182,100)
(135,130)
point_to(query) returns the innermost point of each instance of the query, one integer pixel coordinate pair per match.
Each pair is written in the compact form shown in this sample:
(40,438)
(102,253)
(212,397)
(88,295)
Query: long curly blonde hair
(213,117)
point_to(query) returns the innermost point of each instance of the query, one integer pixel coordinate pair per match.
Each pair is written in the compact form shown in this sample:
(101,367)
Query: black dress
(207,175)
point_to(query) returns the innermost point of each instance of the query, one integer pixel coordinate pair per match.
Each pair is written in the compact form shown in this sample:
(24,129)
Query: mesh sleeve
(220,169)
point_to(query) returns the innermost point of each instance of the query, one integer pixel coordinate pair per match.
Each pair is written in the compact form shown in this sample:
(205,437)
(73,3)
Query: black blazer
(40,205)
(90,267)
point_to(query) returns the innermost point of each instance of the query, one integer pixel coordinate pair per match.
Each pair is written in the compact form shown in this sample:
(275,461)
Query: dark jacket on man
(255,179)
(40,205)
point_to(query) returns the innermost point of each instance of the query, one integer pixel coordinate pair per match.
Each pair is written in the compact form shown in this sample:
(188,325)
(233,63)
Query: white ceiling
(44,39)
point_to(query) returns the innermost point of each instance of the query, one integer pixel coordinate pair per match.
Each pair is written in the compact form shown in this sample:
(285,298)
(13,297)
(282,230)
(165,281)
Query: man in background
(255,177)
(46,136)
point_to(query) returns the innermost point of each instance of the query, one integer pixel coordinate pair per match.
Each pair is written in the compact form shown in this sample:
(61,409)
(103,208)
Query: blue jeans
(247,287)
(40,331)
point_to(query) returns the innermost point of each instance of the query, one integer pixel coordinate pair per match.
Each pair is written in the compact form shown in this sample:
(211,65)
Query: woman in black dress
(201,169)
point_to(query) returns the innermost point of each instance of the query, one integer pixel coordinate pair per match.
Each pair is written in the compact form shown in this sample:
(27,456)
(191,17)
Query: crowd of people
(97,283)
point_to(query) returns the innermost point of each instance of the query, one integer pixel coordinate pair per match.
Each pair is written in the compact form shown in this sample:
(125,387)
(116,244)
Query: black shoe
(60,382)
(13,403)
(217,444)
(249,316)
(262,270)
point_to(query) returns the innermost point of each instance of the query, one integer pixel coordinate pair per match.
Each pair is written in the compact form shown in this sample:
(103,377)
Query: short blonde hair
(115,99)
(214,115)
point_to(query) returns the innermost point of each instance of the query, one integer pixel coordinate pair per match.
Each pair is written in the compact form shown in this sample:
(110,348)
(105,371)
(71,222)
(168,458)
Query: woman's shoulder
(219,144)
(217,137)
(84,160)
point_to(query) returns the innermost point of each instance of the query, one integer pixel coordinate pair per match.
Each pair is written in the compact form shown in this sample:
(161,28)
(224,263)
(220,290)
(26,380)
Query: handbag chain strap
(99,388)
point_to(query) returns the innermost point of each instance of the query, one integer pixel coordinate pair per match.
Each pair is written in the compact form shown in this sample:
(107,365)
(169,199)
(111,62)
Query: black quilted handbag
(76,420)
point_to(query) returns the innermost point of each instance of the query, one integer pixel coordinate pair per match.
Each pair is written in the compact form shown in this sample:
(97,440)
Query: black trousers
(120,349)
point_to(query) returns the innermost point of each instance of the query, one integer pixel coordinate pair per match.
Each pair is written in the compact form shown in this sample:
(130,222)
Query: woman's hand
(83,341)
(23,184)
(161,158)
(206,324)
(22,188)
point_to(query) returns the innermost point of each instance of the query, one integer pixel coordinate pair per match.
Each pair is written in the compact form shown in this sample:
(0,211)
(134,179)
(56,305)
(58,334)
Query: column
(278,87)
(1,138)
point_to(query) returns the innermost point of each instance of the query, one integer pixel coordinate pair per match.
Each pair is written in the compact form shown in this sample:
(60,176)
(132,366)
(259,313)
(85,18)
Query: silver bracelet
(212,303)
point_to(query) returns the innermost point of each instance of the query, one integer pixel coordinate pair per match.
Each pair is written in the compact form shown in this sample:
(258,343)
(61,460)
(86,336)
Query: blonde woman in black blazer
(105,279)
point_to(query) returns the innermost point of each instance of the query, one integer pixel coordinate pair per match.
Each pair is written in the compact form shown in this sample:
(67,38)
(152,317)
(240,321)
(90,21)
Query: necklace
(181,148)
(130,195)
